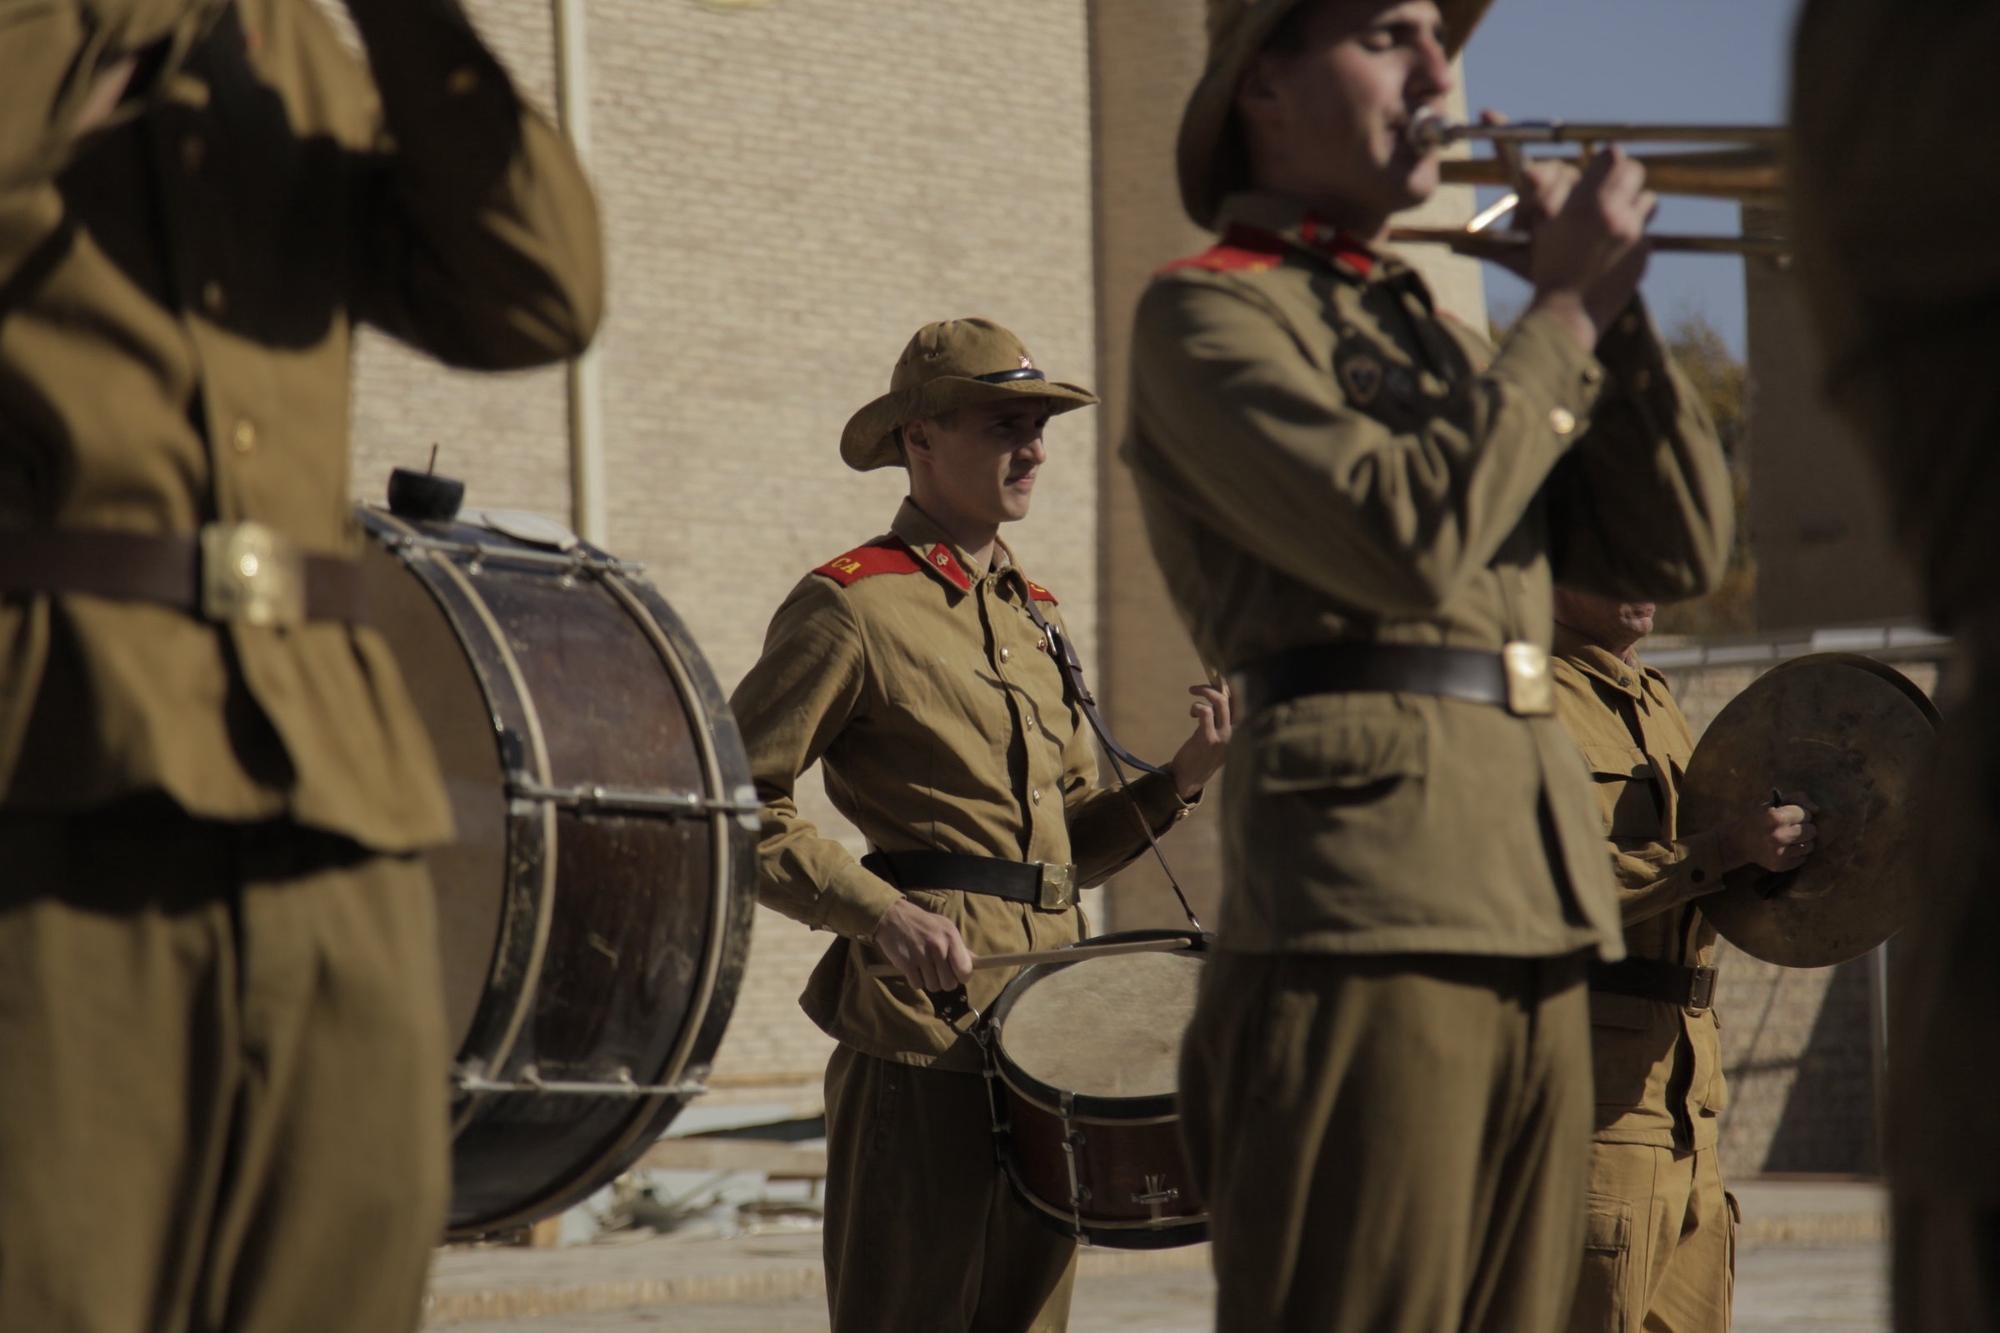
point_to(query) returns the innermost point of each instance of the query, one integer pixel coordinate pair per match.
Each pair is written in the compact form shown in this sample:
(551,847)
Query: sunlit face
(1328,124)
(1611,624)
(980,464)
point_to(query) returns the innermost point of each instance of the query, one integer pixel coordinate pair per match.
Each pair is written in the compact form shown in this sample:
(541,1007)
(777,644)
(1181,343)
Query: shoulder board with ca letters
(888,555)
(1041,594)
(1241,250)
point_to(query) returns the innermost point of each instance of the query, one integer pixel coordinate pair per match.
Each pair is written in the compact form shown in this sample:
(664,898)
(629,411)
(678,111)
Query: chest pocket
(1626,790)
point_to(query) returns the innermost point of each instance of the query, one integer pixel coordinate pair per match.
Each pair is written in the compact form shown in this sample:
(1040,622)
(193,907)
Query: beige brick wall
(789,191)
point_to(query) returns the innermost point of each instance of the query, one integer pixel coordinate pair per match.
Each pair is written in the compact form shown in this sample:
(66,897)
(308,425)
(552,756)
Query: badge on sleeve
(1361,378)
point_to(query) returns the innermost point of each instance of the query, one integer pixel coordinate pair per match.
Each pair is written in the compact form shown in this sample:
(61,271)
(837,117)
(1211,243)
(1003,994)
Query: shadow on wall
(1798,1049)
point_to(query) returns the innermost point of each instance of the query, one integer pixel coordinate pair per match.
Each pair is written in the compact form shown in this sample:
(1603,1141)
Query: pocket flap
(1323,742)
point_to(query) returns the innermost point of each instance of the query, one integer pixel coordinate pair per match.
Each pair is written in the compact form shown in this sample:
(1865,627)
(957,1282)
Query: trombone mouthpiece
(1429,131)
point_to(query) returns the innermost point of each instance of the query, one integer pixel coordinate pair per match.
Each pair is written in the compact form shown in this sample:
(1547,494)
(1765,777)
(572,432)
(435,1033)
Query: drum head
(1854,735)
(1109,1027)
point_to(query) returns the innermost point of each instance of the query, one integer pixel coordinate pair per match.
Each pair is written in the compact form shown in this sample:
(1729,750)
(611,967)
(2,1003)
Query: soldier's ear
(916,439)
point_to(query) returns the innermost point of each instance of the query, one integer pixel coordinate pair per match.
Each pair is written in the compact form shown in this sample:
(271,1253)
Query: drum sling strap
(1071,667)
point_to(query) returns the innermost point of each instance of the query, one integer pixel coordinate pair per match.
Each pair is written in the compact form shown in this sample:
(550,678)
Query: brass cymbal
(1856,736)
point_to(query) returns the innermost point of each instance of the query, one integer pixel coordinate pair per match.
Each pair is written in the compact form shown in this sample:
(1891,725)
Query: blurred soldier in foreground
(917,671)
(1894,117)
(222,1074)
(1659,1244)
(1359,507)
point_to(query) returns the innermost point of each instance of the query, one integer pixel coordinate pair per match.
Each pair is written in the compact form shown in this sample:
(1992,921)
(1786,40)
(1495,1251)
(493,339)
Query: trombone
(1748,168)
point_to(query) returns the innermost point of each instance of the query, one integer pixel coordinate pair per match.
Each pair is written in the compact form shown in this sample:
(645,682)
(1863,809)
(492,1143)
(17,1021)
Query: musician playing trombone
(1361,508)
(916,670)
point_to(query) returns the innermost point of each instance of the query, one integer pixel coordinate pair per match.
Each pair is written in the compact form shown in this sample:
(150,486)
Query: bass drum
(594,914)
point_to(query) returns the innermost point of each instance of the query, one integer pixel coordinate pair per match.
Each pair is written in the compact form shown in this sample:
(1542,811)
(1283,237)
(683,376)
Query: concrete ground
(1814,1257)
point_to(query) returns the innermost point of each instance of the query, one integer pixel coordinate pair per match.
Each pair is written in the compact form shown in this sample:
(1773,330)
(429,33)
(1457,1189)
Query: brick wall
(789,191)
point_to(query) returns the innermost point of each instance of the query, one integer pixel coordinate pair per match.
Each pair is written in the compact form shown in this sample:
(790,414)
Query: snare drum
(1083,1063)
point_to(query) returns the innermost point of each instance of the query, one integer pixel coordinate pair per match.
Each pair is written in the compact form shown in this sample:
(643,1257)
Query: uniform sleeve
(1656,877)
(481,233)
(803,692)
(1643,507)
(52,53)
(1107,824)
(1385,520)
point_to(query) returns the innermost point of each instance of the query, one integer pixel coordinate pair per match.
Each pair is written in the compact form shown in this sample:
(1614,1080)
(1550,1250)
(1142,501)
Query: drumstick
(1075,953)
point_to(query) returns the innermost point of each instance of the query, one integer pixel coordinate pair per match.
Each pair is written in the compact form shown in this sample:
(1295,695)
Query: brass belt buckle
(252,574)
(1057,886)
(1530,693)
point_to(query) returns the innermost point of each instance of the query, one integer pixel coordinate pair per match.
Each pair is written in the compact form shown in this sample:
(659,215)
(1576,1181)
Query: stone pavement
(1814,1257)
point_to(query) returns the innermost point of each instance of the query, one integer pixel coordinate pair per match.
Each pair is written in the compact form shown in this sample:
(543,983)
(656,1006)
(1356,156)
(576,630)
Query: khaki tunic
(1658,1067)
(1660,1226)
(175,337)
(940,722)
(1320,457)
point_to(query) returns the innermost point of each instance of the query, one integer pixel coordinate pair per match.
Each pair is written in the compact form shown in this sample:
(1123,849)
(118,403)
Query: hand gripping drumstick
(1075,953)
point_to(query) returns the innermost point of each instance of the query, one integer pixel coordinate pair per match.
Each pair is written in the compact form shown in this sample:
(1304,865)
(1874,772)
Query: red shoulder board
(1041,594)
(1241,250)
(886,556)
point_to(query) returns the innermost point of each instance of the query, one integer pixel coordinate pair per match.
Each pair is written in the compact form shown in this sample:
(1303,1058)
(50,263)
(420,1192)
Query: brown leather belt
(1652,979)
(231,572)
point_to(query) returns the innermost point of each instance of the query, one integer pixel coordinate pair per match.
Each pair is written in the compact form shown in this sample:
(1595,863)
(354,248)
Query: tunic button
(1642,380)
(1005,653)
(1036,796)
(462,82)
(212,297)
(1629,324)
(1562,421)
(1029,722)
(193,152)
(244,437)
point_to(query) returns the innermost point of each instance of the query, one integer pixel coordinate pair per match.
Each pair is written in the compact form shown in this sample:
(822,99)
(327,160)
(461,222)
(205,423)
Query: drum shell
(1121,1149)
(587,944)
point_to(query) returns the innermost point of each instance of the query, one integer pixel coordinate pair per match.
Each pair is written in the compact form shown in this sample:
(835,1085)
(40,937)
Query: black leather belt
(231,571)
(1475,675)
(1051,887)
(1652,979)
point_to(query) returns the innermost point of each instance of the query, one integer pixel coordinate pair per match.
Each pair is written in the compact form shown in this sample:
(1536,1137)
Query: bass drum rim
(507,1005)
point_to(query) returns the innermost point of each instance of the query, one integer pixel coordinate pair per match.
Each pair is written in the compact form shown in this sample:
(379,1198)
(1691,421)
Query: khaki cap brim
(870,441)
(1205,123)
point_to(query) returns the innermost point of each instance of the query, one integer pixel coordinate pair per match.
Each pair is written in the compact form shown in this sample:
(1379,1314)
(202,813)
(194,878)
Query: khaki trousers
(222,1079)
(1946,1263)
(923,1234)
(1659,1248)
(1390,1144)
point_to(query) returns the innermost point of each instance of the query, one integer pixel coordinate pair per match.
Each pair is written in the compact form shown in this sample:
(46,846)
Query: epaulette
(1041,594)
(1241,250)
(886,555)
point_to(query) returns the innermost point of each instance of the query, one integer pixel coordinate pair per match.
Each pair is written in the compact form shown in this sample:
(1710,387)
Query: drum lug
(1072,1144)
(1156,1196)
(471,1080)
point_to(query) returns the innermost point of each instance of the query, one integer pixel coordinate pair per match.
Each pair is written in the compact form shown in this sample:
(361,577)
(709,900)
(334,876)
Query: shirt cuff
(1700,859)
(1159,801)
(1542,358)
(855,903)
(1635,360)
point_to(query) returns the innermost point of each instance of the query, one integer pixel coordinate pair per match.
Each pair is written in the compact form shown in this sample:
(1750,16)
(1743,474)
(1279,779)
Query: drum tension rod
(633,800)
(530,1080)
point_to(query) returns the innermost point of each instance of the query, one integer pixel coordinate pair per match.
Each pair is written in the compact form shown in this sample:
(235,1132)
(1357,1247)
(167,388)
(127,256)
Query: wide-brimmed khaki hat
(952,364)
(1209,157)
